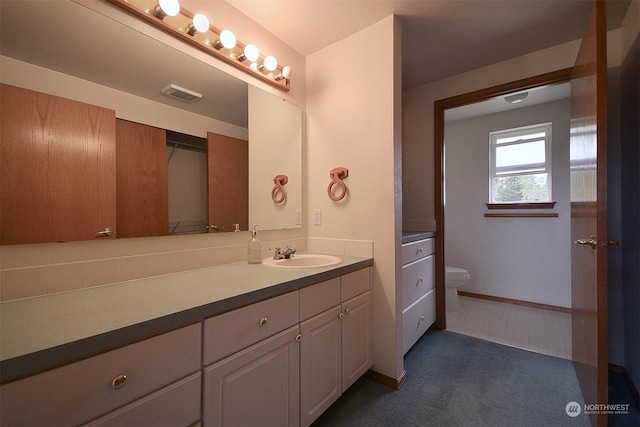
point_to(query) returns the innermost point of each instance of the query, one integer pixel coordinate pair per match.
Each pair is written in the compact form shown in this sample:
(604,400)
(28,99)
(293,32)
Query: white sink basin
(303,261)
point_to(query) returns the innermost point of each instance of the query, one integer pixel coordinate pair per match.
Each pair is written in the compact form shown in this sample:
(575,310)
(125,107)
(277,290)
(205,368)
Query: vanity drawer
(417,280)
(177,404)
(417,319)
(232,331)
(81,391)
(355,283)
(415,250)
(317,298)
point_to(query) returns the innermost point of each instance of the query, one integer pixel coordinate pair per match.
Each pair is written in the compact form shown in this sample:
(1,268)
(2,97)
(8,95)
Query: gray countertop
(49,331)
(414,236)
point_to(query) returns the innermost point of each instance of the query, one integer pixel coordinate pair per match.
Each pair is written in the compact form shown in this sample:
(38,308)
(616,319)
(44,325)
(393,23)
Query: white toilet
(454,278)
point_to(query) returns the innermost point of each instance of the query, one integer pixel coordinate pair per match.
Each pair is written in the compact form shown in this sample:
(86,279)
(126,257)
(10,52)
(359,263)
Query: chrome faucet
(286,254)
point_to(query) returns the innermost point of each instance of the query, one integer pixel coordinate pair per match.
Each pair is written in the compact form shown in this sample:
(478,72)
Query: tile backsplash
(35,270)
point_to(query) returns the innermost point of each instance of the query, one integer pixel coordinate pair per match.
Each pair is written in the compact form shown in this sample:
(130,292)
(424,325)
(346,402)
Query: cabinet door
(357,332)
(57,168)
(141,180)
(256,386)
(320,360)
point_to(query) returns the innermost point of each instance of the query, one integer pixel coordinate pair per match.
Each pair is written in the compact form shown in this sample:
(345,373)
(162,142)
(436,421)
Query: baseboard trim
(388,381)
(621,370)
(515,301)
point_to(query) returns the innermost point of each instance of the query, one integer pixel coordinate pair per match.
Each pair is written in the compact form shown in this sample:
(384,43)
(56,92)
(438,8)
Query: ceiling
(441,38)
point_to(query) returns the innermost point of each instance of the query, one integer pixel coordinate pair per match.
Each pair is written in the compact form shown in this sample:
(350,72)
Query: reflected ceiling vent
(181,93)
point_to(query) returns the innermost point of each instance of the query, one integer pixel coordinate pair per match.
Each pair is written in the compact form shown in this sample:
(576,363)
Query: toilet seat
(457,273)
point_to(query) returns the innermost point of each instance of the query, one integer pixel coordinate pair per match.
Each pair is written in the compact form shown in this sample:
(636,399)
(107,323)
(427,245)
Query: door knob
(594,243)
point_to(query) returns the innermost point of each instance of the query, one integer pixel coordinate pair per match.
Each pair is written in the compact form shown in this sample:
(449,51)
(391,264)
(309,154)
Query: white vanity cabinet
(336,340)
(418,291)
(253,376)
(279,361)
(154,379)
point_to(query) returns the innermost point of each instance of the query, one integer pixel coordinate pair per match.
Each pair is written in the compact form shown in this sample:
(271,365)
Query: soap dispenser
(254,248)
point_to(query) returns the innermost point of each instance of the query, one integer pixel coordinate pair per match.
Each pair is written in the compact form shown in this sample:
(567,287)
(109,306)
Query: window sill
(532,205)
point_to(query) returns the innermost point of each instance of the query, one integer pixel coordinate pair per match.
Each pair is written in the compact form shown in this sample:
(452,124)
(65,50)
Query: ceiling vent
(181,93)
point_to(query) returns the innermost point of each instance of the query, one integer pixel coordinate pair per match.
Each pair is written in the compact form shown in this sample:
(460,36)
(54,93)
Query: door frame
(440,106)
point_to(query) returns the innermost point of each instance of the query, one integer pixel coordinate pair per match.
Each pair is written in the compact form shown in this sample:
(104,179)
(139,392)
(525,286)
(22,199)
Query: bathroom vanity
(196,347)
(418,286)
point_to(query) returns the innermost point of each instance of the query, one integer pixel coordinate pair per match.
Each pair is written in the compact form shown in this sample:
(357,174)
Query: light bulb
(251,52)
(270,63)
(228,39)
(287,72)
(169,7)
(201,23)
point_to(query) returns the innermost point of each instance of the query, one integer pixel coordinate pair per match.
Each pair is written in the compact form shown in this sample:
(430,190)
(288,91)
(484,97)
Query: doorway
(519,292)
(440,108)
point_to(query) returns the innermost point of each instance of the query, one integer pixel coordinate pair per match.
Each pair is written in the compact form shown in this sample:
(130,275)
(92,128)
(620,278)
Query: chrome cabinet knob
(348,311)
(263,321)
(298,338)
(341,316)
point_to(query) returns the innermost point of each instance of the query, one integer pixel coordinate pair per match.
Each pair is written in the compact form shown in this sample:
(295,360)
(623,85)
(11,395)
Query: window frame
(545,128)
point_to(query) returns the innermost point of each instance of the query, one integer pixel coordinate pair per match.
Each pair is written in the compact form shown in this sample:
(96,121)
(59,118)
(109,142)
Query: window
(520,165)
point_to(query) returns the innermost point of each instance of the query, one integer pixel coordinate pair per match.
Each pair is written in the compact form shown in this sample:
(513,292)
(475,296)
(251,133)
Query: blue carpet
(456,380)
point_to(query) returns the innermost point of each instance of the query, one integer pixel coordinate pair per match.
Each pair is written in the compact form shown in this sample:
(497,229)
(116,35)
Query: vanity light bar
(221,44)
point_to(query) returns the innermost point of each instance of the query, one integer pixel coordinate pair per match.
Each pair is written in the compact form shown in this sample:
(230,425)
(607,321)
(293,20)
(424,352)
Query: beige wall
(353,113)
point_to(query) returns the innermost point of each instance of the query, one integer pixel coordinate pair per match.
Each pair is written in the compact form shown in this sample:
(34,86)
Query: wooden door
(228,182)
(588,177)
(58,167)
(141,180)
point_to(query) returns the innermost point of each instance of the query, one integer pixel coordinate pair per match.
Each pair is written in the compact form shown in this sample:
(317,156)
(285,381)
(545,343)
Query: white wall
(353,110)
(526,259)
(417,103)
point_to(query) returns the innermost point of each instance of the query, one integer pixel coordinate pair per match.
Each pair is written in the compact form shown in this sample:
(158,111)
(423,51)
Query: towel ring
(279,181)
(337,175)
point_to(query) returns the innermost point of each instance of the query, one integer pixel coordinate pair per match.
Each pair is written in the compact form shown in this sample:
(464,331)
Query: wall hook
(279,181)
(337,175)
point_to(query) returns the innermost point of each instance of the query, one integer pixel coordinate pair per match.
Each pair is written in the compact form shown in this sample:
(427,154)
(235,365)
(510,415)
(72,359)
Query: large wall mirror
(63,47)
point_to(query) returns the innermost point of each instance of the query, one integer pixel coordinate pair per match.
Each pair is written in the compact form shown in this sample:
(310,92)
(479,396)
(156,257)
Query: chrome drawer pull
(119,382)
(263,321)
